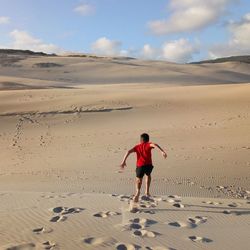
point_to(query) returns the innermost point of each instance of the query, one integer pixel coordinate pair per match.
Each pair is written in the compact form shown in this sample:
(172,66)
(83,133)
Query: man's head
(144,137)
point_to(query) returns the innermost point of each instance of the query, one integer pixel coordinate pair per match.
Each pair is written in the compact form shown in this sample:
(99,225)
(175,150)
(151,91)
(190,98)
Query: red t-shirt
(143,152)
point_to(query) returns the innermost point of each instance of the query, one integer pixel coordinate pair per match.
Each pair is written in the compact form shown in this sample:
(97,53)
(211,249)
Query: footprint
(105,214)
(58,218)
(171,200)
(24,246)
(48,245)
(179,205)
(147,198)
(157,198)
(138,223)
(215,203)
(144,233)
(99,241)
(143,221)
(63,211)
(135,226)
(197,219)
(114,195)
(42,230)
(66,210)
(200,239)
(182,224)
(226,212)
(123,246)
(124,197)
(159,248)
(72,210)
(58,209)
(174,196)
(148,205)
(233,204)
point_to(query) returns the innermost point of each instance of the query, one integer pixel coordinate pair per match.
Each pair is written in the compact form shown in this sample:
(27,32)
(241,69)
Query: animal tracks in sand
(200,239)
(62,211)
(106,214)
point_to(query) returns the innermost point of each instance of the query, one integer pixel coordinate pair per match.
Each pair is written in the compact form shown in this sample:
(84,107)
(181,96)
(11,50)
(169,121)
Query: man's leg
(138,184)
(148,181)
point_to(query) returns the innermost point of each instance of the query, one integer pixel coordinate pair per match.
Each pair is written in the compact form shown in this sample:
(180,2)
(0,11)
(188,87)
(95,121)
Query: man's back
(143,152)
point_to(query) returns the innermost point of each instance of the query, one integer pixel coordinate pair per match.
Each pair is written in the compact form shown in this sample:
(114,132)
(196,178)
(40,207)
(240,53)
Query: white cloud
(4,20)
(148,52)
(85,9)
(106,47)
(23,40)
(238,43)
(179,51)
(189,15)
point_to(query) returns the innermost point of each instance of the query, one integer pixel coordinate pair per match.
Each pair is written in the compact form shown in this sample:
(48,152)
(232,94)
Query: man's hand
(123,165)
(164,154)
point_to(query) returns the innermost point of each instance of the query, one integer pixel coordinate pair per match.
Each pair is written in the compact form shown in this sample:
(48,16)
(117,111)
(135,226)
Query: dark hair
(145,137)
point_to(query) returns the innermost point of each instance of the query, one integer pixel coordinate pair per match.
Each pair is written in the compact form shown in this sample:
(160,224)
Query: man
(144,163)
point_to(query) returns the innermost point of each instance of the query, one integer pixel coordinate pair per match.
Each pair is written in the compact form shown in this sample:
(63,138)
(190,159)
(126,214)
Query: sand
(61,143)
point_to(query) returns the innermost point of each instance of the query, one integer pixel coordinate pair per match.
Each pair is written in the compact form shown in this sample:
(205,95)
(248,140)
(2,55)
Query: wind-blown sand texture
(63,136)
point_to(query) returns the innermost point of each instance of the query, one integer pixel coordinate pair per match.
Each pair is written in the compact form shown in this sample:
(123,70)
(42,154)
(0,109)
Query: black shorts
(146,169)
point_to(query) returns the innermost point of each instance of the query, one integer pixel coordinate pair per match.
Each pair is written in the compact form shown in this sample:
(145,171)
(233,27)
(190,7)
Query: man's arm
(123,164)
(154,145)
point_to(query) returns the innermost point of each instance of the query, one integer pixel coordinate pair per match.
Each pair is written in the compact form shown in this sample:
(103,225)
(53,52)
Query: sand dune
(63,136)
(210,228)
(70,71)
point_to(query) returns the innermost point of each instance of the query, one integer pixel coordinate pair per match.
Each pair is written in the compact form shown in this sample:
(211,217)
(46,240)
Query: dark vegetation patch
(47,65)
(242,59)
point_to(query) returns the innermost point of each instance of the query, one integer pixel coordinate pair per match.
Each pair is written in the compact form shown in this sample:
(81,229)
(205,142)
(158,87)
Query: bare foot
(136,198)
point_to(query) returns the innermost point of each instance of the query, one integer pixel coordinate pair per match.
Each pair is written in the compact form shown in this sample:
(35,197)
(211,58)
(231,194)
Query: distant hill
(243,59)
(23,52)
(10,56)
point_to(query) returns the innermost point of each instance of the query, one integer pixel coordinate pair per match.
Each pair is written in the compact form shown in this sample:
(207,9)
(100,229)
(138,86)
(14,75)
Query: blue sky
(174,30)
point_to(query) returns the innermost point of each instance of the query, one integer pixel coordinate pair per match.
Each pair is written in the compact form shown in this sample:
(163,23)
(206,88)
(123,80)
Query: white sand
(61,148)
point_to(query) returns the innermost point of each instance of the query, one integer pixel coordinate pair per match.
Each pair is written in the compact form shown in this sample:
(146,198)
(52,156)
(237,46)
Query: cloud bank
(23,40)
(238,43)
(106,47)
(189,15)
(179,51)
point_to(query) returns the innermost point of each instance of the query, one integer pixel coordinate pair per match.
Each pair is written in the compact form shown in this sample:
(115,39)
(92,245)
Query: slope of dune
(62,71)
(65,124)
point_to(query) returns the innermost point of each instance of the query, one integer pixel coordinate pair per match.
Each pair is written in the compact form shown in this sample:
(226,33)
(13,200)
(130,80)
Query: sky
(173,30)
